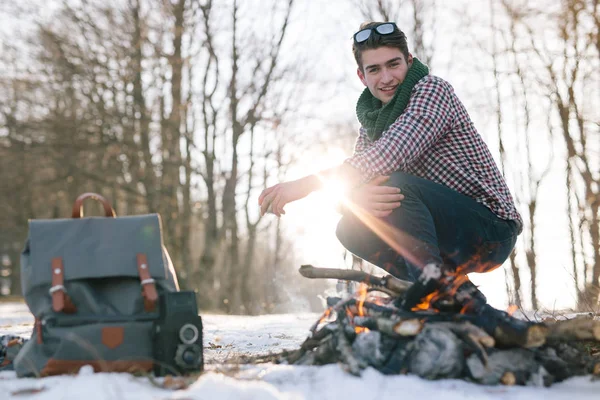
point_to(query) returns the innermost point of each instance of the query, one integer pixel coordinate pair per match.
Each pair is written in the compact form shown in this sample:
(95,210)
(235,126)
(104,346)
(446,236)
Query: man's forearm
(344,173)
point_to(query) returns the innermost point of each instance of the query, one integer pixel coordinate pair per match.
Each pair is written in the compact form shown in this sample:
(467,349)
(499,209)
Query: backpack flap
(94,247)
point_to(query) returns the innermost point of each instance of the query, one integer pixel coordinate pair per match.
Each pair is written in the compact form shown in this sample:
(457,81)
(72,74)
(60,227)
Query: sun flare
(334,191)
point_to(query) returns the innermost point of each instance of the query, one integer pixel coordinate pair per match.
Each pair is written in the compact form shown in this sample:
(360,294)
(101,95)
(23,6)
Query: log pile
(488,347)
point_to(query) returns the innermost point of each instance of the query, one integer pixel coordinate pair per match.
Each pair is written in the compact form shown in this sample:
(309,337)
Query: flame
(361,297)
(425,303)
(453,280)
(325,315)
(511,309)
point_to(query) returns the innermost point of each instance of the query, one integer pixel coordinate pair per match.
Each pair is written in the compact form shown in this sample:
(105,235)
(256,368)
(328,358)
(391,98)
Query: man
(454,214)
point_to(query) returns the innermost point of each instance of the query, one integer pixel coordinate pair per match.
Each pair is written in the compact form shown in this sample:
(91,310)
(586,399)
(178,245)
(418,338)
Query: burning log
(504,329)
(480,344)
(507,331)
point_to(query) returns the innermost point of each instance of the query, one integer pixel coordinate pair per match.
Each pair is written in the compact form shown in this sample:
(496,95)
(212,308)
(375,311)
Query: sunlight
(334,191)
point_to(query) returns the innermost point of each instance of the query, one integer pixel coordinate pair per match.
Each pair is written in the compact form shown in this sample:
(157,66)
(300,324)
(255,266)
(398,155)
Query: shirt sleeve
(362,142)
(427,117)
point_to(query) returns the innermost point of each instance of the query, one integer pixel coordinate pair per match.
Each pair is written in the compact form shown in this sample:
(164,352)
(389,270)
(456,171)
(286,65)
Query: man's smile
(388,89)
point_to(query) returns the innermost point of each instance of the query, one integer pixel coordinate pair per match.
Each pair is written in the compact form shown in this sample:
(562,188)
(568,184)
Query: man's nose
(386,76)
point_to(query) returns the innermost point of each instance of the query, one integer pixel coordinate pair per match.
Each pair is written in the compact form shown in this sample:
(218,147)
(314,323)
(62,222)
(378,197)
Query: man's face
(384,70)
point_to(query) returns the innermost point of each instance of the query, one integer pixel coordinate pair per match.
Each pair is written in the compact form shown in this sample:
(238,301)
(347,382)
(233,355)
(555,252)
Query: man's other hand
(376,199)
(274,198)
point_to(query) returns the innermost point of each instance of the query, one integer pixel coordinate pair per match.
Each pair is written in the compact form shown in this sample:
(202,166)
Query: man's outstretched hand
(377,200)
(276,197)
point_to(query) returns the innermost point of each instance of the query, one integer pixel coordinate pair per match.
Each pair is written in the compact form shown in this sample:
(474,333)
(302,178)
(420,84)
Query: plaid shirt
(435,139)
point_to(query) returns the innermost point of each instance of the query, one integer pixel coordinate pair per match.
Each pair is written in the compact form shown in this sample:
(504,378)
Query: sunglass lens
(363,35)
(385,29)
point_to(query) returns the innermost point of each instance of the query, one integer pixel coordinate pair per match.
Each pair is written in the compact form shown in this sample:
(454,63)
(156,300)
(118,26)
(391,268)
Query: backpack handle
(78,205)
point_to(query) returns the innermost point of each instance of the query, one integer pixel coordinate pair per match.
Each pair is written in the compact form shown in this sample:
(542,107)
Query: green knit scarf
(375,116)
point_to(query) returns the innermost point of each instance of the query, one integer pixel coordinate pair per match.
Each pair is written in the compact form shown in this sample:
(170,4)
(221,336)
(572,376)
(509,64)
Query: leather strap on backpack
(77,211)
(60,300)
(148,286)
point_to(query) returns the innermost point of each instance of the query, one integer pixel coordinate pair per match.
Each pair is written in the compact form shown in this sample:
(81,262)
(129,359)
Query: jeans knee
(356,238)
(400,179)
(342,232)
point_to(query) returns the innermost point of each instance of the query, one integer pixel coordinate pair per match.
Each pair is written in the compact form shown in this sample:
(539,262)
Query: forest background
(190,108)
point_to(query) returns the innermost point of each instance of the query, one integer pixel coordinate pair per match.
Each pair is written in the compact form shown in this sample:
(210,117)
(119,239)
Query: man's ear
(410,60)
(361,76)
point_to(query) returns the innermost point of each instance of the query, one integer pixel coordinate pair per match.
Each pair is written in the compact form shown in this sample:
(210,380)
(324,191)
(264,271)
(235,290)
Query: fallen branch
(389,282)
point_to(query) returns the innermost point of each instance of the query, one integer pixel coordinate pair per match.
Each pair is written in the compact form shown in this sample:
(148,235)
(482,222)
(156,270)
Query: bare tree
(422,15)
(567,72)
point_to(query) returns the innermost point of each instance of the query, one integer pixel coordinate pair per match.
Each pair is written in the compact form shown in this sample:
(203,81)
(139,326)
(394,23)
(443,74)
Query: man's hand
(276,197)
(377,200)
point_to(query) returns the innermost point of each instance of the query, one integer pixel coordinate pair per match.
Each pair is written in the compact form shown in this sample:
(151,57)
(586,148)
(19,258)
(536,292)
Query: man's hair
(395,39)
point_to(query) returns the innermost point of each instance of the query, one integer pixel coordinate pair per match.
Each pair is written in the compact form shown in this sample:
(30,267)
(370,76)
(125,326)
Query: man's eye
(394,65)
(373,70)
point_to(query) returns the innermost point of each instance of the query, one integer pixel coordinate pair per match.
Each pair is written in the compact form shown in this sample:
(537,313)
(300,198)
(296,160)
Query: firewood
(509,331)
(391,326)
(326,352)
(521,363)
(505,330)
(527,337)
(436,353)
(468,329)
(311,342)
(370,347)
(574,329)
(390,282)
(473,336)
(347,359)
(408,327)
(508,379)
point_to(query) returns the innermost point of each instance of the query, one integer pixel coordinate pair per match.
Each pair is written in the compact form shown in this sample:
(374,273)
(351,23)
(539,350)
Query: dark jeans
(434,224)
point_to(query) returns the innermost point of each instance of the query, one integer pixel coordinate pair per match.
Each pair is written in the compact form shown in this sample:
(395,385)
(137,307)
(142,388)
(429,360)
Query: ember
(487,346)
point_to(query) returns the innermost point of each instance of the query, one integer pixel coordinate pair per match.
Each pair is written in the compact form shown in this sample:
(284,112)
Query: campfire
(482,345)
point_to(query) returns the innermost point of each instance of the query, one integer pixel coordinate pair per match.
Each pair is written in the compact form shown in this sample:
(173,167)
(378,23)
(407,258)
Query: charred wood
(313,341)
(436,353)
(506,330)
(514,366)
(451,339)
(347,358)
(474,337)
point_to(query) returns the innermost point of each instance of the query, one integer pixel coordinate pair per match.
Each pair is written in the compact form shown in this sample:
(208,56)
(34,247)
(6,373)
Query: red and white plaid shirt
(435,139)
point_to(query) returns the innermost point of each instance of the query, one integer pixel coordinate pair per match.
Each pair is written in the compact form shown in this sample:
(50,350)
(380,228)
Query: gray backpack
(93,286)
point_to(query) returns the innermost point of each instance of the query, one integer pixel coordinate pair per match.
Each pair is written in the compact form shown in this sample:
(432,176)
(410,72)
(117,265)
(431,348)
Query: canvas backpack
(93,286)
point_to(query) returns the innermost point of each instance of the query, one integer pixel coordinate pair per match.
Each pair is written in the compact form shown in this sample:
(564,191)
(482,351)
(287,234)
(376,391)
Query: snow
(226,337)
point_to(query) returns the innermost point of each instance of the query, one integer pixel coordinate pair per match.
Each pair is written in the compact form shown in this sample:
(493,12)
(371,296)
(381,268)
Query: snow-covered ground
(226,337)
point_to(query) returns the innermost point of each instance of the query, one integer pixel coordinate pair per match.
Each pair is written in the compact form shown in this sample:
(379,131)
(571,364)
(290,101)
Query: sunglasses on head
(383,29)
